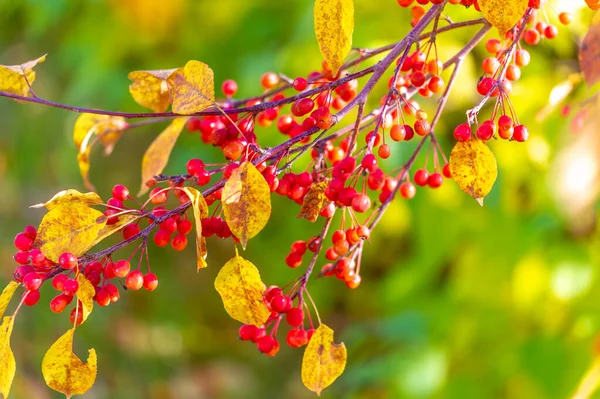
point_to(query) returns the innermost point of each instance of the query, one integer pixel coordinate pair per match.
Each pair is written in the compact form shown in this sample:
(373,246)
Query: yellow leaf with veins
(334,24)
(6,296)
(14,78)
(323,361)
(503,14)
(7,359)
(241,289)
(313,202)
(200,209)
(150,88)
(192,88)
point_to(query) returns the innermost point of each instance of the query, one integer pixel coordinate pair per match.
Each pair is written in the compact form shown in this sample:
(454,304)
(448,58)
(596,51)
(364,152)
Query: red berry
(265,344)
(184,226)
(76,313)
(134,280)
(150,281)
(67,260)
(384,151)
(120,192)
(295,317)
(58,282)
(521,133)
(60,302)
(281,303)
(269,80)
(30,232)
(229,87)
(179,242)
(162,238)
(323,117)
(361,203)
(23,242)
(293,260)
(32,281)
(446,171)
(102,297)
(407,190)
(272,292)
(121,268)
(70,286)
(194,166)
(21,257)
(435,180)
(421,177)
(299,247)
(462,132)
(300,84)
(21,272)
(130,231)
(248,332)
(113,291)
(169,225)
(31,297)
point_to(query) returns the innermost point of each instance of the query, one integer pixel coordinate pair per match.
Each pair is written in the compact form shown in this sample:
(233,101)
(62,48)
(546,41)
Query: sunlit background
(457,301)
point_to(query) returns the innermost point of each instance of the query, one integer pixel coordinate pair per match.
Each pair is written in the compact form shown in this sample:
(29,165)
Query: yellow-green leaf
(503,14)
(69,227)
(150,88)
(108,129)
(313,202)
(7,359)
(13,78)
(200,208)
(85,293)
(246,200)
(241,289)
(334,24)
(157,155)
(6,296)
(64,372)
(474,168)
(323,360)
(70,196)
(192,88)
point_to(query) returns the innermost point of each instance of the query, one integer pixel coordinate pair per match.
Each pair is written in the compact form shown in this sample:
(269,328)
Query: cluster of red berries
(281,306)
(298,249)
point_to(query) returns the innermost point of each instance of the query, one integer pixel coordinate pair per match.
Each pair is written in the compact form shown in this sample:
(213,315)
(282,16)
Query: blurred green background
(457,300)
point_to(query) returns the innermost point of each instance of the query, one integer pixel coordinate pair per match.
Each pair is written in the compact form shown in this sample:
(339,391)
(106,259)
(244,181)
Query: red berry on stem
(421,177)
(121,268)
(67,260)
(295,317)
(32,281)
(300,84)
(134,280)
(150,281)
(23,242)
(31,297)
(248,332)
(120,192)
(70,286)
(229,87)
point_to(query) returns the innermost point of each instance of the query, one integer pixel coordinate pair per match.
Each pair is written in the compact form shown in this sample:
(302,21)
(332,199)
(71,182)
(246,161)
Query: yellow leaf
(334,24)
(7,359)
(85,293)
(64,372)
(589,53)
(108,129)
(323,360)
(157,155)
(150,89)
(313,202)
(503,14)
(192,88)
(12,78)
(200,209)
(108,230)
(69,227)
(6,296)
(246,202)
(241,289)
(474,168)
(70,196)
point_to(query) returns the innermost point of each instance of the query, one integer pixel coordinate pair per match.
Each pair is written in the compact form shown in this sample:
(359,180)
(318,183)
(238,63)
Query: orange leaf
(7,359)
(503,14)
(64,372)
(240,287)
(192,88)
(6,296)
(157,155)
(246,200)
(313,202)
(71,227)
(200,209)
(13,79)
(150,89)
(334,25)
(589,53)
(323,361)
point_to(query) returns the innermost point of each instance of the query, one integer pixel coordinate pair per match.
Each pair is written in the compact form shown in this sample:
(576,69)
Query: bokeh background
(457,300)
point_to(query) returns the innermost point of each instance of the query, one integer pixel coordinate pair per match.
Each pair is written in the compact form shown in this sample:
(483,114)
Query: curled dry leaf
(313,202)
(108,129)
(200,209)
(14,79)
(157,155)
(71,227)
(64,372)
(85,293)
(241,289)
(323,361)
(192,88)
(7,359)
(150,89)
(6,296)
(503,14)
(70,196)
(246,200)
(589,53)
(474,168)
(334,24)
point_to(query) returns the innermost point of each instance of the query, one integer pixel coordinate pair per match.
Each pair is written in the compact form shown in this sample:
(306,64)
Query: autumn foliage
(232,200)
